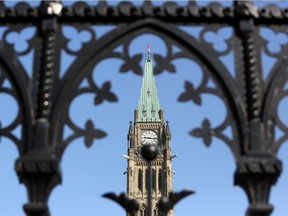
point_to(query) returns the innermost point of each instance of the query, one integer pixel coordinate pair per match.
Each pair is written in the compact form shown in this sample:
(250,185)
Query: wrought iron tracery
(44,95)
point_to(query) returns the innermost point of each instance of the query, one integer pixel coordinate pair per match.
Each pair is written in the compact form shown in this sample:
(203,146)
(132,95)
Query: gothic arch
(155,211)
(143,210)
(98,51)
(19,81)
(160,176)
(153,177)
(146,179)
(274,94)
(140,180)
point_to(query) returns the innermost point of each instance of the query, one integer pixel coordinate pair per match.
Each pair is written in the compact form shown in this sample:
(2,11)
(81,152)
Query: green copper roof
(148,106)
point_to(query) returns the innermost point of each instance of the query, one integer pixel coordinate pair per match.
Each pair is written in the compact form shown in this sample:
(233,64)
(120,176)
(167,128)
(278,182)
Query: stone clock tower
(149,129)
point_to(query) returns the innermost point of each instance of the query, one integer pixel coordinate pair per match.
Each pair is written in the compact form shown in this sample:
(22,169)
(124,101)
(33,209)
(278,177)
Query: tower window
(147,179)
(143,211)
(154,180)
(140,181)
(155,212)
(160,180)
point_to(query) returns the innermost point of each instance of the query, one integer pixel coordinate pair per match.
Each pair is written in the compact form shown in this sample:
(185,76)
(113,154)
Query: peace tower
(149,128)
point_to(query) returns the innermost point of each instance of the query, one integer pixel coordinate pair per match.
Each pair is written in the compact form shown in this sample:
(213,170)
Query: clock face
(149,137)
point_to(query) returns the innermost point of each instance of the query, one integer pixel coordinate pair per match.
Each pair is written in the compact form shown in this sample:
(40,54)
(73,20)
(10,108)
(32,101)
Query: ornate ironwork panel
(229,45)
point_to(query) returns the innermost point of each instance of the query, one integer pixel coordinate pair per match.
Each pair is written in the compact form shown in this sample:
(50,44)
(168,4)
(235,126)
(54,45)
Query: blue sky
(90,172)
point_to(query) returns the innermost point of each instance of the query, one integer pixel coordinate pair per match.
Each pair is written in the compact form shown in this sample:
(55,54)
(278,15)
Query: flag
(148,48)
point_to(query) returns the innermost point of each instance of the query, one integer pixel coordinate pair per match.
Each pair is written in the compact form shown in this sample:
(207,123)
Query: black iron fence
(45,96)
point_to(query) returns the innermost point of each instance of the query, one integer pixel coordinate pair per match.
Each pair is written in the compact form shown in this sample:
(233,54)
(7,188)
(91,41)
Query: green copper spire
(148,106)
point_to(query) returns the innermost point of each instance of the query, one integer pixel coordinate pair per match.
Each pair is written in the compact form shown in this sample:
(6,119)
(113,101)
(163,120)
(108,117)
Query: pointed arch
(155,211)
(143,210)
(276,81)
(19,80)
(153,177)
(146,179)
(205,54)
(140,180)
(160,179)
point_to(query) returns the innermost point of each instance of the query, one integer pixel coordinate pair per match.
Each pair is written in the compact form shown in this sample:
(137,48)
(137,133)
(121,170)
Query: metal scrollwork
(7,128)
(20,39)
(76,38)
(101,93)
(206,132)
(163,63)
(279,124)
(218,38)
(132,63)
(233,44)
(275,40)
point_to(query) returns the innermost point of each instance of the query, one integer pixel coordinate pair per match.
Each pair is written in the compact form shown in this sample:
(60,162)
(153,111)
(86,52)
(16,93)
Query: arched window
(146,179)
(160,180)
(142,211)
(153,180)
(156,212)
(140,180)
